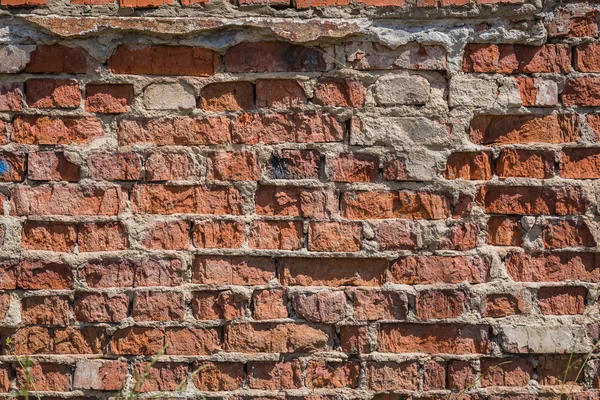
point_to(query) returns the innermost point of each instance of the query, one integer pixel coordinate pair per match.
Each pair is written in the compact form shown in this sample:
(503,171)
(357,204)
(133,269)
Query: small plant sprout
(25,363)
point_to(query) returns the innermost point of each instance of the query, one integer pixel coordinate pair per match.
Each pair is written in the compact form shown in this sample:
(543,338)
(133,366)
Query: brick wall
(323,199)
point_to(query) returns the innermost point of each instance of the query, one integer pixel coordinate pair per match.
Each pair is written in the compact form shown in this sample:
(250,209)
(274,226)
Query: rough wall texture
(328,199)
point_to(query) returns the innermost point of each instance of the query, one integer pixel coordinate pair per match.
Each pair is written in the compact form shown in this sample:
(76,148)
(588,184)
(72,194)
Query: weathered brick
(509,59)
(304,127)
(49,236)
(332,271)
(500,305)
(353,168)
(373,305)
(161,376)
(395,204)
(397,235)
(44,130)
(538,92)
(508,129)
(47,377)
(266,375)
(533,200)
(557,234)
(553,267)
(11,97)
(45,310)
(413,270)
(219,376)
(332,375)
(354,339)
(39,275)
(326,307)
(51,166)
(101,307)
(372,55)
(513,163)
(587,57)
(334,236)
(504,231)
(212,305)
(106,236)
(167,199)
(340,93)
(277,338)
(580,163)
(295,202)
(99,374)
(439,304)
(169,167)
(273,57)
(470,166)
(233,270)
(163,60)
(174,131)
(158,306)
(269,304)
(279,93)
(170,235)
(281,235)
(385,376)
(56,59)
(108,99)
(227,96)
(53,93)
(582,91)
(562,300)
(115,166)
(235,166)
(12,167)
(192,341)
(440,338)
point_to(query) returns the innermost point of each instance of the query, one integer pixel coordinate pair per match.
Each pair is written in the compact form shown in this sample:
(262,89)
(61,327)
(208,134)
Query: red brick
(45,310)
(397,235)
(31,340)
(549,267)
(39,275)
(266,375)
(516,372)
(514,163)
(415,56)
(593,121)
(435,375)
(582,91)
(233,270)
(137,341)
(235,166)
(49,236)
(537,92)
(509,59)
(295,202)
(218,234)
(577,22)
(225,305)
(115,166)
(163,60)
(504,231)
(23,3)
(580,163)
(192,341)
(461,375)
(227,96)
(332,271)
(166,199)
(161,376)
(354,339)
(500,305)
(108,99)
(84,340)
(111,273)
(373,305)
(35,129)
(4,306)
(269,304)
(438,304)
(11,97)
(46,377)
(99,374)
(562,300)
(551,370)
(533,200)
(56,59)
(415,270)
(460,236)
(558,234)
(219,376)
(508,129)
(145,4)
(277,338)
(51,166)
(101,307)
(353,168)
(180,131)
(53,93)
(169,167)
(332,375)
(169,235)
(340,93)
(106,236)
(395,170)
(470,166)
(386,376)
(12,167)
(295,164)
(159,306)
(326,307)
(279,93)
(273,57)
(433,339)
(395,204)
(334,236)
(587,57)
(281,235)
(304,127)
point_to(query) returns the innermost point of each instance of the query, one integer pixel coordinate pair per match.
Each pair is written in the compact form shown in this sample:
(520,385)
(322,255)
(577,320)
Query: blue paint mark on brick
(4,166)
